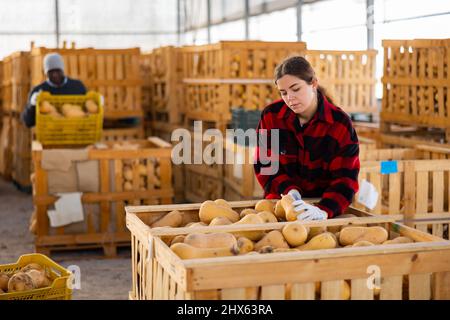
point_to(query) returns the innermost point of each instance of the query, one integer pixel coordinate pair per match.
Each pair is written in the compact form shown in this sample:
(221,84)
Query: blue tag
(388,167)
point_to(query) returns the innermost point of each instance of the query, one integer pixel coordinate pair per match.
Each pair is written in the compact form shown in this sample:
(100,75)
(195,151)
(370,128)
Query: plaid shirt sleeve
(279,182)
(344,168)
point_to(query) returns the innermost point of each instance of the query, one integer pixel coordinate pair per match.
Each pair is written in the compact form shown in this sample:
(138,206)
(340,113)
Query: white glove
(102,100)
(33,98)
(311,213)
(297,200)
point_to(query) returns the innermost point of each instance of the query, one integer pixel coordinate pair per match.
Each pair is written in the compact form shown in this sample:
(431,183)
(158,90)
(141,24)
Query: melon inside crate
(419,270)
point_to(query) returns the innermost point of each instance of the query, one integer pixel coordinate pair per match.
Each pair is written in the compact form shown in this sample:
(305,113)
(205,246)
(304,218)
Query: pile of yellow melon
(69,110)
(32,276)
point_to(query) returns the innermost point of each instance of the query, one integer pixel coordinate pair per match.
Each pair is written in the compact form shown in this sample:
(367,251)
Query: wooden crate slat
(331,290)
(391,288)
(420,287)
(303,291)
(360,290)
(275,292)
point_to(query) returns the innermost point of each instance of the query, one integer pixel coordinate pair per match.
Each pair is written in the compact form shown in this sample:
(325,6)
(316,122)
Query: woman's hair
(299,67)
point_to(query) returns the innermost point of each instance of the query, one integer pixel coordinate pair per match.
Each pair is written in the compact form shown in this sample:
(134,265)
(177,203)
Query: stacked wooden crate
(416,86)
(220,77)
(121,174)
(412,184)
(16,145)
(349,77)
(162,101)
(112,72)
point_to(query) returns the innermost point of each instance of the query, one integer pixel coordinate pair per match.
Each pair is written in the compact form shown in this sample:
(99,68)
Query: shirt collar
(51,84)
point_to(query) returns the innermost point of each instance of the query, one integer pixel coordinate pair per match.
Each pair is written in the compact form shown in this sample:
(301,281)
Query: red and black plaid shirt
(319,158)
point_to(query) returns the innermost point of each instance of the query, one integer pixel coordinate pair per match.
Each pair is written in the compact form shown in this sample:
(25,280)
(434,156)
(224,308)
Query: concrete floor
(100,278)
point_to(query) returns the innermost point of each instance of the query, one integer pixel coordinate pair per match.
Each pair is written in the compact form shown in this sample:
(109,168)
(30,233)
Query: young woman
(318,146)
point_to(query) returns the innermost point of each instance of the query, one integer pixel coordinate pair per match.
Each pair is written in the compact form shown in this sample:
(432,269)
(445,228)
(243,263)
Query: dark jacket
(71,86)
(319,158)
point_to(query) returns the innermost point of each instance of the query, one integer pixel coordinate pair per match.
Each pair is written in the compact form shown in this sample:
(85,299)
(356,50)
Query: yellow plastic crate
(59,290)
(51,130)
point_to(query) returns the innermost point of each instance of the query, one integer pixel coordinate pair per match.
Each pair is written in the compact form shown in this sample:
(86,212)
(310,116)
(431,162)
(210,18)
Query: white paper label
(68,209)
(368,195)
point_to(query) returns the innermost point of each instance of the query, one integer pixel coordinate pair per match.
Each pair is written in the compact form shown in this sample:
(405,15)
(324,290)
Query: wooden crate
(416,84)
(146,76)
(16,82)
(21,149)
(239,175)
(177,169)
(366,144)
(213,100)
(390,140)
(167,86)
(200,187)
(104,225)
(422,267)
(112,72)
(389,154)
(120,134)
(6,152)
(237,59)
(420,189)
(349,77)
(433,152)
(139,219)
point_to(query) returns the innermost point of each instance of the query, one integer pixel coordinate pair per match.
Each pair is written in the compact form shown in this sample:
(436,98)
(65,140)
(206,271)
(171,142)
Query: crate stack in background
(416,88)
(112,72)
(220,79)
(16,137)
(162,101)
(349,77)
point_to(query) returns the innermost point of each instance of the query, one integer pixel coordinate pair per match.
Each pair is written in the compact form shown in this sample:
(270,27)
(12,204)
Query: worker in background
(318,146)
(56,83)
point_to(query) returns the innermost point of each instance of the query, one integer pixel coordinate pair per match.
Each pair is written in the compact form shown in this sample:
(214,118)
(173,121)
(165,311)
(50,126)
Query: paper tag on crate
(388,167)
(68,209)
(368,194)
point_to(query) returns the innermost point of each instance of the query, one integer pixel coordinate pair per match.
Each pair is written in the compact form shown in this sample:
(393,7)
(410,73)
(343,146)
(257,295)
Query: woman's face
(296,93)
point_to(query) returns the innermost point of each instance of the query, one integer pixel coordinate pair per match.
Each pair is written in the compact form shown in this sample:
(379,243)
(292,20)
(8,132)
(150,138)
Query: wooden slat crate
(199,149)
(140,218)
(416,84)
(104,225)
(121,134)
(366,144)
(411,271)
(112,72)
(409,141)
(200,187)
(419,189)
(433,152)
(167,87)
(6,152)
(349,77)
(21,150)
(16,82)
(146,76)
(368,130)
(389,154)
(213,100)
(237,59)
(239,176)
